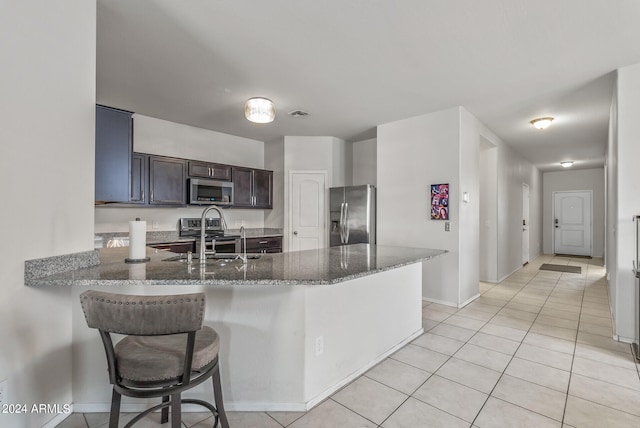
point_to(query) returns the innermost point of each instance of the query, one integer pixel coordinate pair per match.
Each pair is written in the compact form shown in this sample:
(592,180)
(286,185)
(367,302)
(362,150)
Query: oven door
(228,245)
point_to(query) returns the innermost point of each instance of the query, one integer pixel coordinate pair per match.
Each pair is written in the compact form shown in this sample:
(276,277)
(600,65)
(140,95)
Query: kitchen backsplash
(116,219)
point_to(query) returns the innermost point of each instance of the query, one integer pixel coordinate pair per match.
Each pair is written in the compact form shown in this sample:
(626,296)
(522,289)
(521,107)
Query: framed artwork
(440,201)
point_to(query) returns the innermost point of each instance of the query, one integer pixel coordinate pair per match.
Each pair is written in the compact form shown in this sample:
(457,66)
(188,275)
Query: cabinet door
(167,184)
(138,178)
(242,187)
(210,170)
(114,146)
(262,189)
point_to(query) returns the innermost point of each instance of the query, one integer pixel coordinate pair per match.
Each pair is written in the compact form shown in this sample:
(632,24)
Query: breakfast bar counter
(294,327)
(311,267)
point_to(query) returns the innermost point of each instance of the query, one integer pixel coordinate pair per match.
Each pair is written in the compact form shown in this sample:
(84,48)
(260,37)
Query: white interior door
(308,216)
(572,223)
(525,223)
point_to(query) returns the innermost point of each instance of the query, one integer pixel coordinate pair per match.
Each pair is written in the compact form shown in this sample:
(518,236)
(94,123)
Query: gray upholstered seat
(165,352)
(152,358)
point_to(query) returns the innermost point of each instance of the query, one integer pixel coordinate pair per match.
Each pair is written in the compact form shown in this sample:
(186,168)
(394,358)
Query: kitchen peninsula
(294,326)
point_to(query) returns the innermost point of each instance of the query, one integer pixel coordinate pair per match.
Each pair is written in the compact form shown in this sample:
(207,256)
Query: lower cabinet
(271,244)
(176,247)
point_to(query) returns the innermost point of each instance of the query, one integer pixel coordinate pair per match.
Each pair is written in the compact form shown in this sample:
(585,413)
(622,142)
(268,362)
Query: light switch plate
(447,226)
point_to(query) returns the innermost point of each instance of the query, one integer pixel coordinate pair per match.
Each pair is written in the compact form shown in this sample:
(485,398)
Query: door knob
(295,232)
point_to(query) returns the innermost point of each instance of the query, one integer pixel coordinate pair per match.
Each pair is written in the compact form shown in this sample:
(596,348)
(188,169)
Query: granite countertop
(322,266)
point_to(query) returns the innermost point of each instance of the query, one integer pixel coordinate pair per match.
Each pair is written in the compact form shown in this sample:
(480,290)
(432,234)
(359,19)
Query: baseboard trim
(465,303)
(252,406)
(327,392)
(440,302)
(59,418)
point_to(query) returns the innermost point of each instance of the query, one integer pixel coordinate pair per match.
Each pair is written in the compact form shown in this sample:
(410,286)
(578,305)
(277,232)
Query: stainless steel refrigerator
(352,214)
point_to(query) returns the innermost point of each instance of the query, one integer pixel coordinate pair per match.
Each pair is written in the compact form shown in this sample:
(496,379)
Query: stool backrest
(143,315)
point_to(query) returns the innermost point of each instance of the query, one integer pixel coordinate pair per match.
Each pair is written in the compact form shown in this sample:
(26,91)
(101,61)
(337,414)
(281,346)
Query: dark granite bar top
(322,266)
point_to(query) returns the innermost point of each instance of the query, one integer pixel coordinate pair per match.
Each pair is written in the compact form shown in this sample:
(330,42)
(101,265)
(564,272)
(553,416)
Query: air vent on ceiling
(298,113)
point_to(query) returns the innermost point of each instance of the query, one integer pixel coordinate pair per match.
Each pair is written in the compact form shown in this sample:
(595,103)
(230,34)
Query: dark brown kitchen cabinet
(270,244)
(139,173)
(214,171)
(252,188)
(113,154)
(167,181)
(176,247)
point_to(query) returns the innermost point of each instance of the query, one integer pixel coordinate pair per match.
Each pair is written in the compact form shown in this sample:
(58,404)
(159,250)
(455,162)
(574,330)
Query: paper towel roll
(137,240)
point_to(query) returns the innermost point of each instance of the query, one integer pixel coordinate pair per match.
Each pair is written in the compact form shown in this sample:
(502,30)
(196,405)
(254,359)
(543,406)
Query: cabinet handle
(151,195)
(209,168)
(263,242)
(142,193)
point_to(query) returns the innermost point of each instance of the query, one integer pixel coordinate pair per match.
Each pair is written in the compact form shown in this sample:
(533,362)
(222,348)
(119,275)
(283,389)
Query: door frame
(527,219)
(324,238)
(553,212)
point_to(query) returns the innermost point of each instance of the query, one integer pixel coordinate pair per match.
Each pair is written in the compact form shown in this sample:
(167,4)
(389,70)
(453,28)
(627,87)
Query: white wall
(274,161)
(47,133)
(581,179)
(469,245)
(364,162)
(411,155)
(316,154)
(161,137)
(512,171)
(611,196)
(488,266)
(624,152)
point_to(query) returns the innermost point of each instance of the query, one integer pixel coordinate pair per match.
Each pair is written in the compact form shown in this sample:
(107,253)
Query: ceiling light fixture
(566,164)
(542,122)
(259,110)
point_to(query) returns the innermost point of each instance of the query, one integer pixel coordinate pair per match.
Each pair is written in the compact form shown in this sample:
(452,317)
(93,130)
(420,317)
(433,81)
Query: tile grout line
(514,355)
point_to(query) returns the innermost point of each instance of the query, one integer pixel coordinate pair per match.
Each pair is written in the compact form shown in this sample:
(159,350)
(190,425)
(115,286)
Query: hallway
(532,351)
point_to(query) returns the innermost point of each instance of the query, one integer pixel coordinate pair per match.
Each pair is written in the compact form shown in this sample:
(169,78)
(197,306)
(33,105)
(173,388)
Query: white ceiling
(355,64)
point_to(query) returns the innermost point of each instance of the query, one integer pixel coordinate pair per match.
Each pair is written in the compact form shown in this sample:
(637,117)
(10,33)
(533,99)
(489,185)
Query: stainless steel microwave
(210,192)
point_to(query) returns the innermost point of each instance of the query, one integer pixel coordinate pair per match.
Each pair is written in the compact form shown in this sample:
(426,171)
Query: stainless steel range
(224,243)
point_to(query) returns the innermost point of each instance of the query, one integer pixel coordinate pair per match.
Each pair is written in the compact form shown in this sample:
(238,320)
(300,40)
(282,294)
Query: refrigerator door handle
(346,224)
(341,226)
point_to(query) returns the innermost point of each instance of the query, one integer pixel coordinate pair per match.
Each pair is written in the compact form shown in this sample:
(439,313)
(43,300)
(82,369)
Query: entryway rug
(561,268)
(572,256)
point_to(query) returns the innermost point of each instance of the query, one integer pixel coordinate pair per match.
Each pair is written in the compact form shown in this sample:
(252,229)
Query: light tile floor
(533,351)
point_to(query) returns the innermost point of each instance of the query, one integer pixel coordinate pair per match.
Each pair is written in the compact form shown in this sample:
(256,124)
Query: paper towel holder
(130,260)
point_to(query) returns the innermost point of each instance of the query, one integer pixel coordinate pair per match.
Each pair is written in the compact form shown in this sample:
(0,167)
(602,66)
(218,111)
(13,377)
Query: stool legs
(217,395)
(164,416)
(114,415)
(176,411)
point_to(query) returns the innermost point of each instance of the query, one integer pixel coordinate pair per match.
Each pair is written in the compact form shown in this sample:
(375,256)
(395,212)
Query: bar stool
(166,350)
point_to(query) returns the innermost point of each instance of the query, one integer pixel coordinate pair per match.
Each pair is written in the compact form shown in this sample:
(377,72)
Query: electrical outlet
(3,392)
(155,224)
(319,345)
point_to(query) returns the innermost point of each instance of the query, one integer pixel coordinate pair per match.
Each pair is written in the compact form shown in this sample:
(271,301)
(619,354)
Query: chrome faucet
(243,239)
(203,226)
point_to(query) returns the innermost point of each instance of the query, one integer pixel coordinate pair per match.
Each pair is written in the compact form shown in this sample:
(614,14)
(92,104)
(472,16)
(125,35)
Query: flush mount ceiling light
(542,122)
(259,110)
(566,164)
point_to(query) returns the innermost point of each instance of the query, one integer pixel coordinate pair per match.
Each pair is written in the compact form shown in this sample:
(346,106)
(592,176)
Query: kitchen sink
(222,256)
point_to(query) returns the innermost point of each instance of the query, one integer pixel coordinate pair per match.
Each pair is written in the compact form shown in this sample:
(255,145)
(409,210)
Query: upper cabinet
(167,181)
(139,174)
(252,188)
(209,170)
(114,148)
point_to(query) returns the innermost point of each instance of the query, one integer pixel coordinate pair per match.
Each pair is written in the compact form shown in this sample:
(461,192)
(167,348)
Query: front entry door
(308,217)
(572,223)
